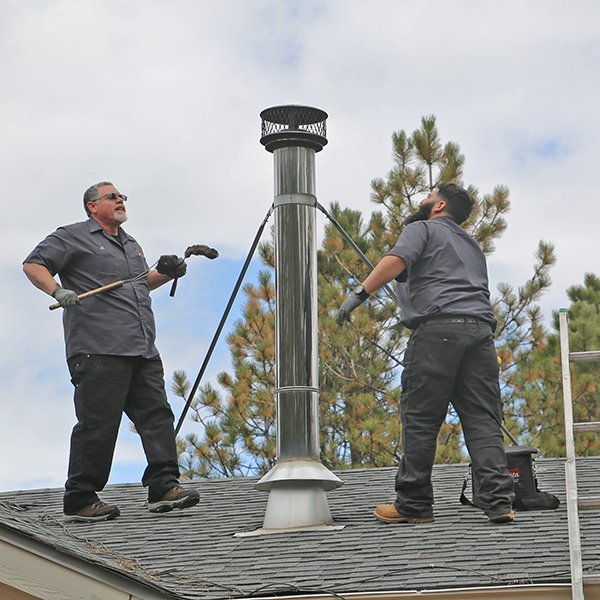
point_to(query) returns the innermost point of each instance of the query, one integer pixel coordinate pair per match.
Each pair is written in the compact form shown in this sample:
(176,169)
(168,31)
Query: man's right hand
(65,298)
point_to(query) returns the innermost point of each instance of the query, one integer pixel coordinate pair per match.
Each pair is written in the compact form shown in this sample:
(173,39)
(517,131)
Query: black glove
(354,300)
(171,266)
(65,298)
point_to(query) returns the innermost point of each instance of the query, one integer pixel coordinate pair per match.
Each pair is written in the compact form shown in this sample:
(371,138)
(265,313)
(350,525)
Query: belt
(451,320)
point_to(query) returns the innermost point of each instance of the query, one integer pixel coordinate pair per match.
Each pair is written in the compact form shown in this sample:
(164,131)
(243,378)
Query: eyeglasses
(112,196)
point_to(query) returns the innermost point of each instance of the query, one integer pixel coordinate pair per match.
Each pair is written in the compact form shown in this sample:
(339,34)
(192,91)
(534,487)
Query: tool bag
(522,468)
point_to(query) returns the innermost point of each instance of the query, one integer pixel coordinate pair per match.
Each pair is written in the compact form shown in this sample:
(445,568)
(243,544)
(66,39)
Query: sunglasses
(112,196)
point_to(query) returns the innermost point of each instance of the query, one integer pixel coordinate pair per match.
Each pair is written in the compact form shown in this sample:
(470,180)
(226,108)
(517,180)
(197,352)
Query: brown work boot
(99,511)
(388,514)
(505,518)
(174,498)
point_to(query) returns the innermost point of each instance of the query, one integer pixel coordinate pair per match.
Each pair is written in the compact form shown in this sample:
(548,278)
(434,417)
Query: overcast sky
(163,98)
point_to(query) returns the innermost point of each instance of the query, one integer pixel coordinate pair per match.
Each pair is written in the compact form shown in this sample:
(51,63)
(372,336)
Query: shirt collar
(95,226)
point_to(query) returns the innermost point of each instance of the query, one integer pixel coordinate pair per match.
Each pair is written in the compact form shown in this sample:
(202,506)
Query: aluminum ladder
(574,504)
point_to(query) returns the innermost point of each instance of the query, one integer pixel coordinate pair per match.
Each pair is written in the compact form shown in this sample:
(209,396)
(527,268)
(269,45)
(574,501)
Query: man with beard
(450,356)
(113,361)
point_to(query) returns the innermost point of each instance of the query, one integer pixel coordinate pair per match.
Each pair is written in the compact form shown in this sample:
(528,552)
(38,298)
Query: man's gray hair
(91,195)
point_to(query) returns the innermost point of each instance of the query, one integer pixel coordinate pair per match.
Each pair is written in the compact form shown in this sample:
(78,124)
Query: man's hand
(171,266)
(353,301)
(65,298)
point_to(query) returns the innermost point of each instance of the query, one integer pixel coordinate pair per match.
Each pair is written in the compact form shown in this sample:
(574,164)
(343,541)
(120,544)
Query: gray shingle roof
(193,553)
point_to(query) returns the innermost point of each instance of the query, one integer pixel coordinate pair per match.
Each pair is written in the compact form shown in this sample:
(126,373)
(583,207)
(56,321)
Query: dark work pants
(452,363)
(105,387)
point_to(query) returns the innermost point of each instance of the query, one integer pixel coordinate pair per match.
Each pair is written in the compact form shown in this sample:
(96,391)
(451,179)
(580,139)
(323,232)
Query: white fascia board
(49,574)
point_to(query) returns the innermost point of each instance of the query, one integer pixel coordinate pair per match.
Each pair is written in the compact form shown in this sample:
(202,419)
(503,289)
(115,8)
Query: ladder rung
(587,427)
(588,502)
(584,356)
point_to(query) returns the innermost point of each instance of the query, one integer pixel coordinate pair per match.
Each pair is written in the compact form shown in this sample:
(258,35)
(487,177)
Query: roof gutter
(558,591)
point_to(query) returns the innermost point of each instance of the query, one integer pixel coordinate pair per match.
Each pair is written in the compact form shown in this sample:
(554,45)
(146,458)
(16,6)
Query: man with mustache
(450,357)
(113,361)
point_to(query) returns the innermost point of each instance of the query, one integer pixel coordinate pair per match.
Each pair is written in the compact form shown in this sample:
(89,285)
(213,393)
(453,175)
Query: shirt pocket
(106,269)
(136,262)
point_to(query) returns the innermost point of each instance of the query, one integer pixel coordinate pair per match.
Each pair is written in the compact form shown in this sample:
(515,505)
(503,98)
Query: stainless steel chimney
(298,482)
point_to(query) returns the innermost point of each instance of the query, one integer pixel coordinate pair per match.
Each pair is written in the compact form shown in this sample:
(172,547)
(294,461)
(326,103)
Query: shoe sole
(403,519)
(509,518)
(80,519)
(163,507)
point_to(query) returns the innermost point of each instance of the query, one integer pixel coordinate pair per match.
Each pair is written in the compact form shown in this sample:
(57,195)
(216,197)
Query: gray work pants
(449,361)
(105,388)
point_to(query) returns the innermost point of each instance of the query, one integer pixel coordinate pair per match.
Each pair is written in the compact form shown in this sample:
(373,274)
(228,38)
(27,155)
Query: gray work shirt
(117,322)
(446,273)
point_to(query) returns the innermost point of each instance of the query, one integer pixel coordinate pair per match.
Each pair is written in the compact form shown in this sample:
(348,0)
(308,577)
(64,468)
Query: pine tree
(360,398)
(239,432)
(537,407)
(360,362)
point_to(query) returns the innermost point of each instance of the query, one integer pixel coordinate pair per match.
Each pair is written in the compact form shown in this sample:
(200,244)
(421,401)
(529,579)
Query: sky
(163,99)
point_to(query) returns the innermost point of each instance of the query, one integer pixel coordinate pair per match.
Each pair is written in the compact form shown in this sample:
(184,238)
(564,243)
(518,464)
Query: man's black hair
(459,203)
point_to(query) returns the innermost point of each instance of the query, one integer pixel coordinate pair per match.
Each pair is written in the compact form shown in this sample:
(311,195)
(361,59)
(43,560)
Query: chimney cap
(293,125)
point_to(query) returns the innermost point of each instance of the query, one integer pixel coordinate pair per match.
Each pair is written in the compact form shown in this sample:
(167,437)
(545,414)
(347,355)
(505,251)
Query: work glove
(65,298)
(171,266)
(354,300)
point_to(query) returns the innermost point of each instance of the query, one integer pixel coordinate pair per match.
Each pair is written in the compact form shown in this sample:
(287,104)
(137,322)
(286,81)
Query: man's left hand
(171,266)
(350,303)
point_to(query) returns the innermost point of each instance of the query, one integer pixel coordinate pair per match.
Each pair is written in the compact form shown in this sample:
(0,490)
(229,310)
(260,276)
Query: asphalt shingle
(194,554)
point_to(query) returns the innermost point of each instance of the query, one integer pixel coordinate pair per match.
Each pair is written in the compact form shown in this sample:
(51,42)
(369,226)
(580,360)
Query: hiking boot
(388,514)
(99,511)
(505,518)
(174,498)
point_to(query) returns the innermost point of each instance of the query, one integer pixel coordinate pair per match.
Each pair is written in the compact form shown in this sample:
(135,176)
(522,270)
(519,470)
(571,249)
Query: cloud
(164,100)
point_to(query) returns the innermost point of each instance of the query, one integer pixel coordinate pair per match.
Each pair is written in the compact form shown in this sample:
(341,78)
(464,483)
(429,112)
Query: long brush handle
(104,288)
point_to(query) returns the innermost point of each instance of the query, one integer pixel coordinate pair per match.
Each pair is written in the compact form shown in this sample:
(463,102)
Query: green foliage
(239,433)
(359,401)
(520,333)
(359,363)
(536,407)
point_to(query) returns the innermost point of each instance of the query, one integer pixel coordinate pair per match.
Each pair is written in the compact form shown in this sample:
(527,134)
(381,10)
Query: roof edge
(38,562)
(557,591)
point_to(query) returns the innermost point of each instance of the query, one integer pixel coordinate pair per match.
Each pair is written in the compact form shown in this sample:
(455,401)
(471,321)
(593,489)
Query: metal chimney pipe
(297,484)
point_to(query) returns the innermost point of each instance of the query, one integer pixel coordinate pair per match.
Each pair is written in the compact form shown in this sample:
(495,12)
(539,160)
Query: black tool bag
(521,466)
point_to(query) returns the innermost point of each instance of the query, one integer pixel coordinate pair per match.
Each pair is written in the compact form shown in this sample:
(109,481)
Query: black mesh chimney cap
(293,125)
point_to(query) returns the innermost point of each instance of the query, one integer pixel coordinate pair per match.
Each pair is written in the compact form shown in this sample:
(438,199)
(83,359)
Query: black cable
(236,289)
(293,588)
(301,588)
(223,320)
(358,251)
(388,354)
(354,247)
